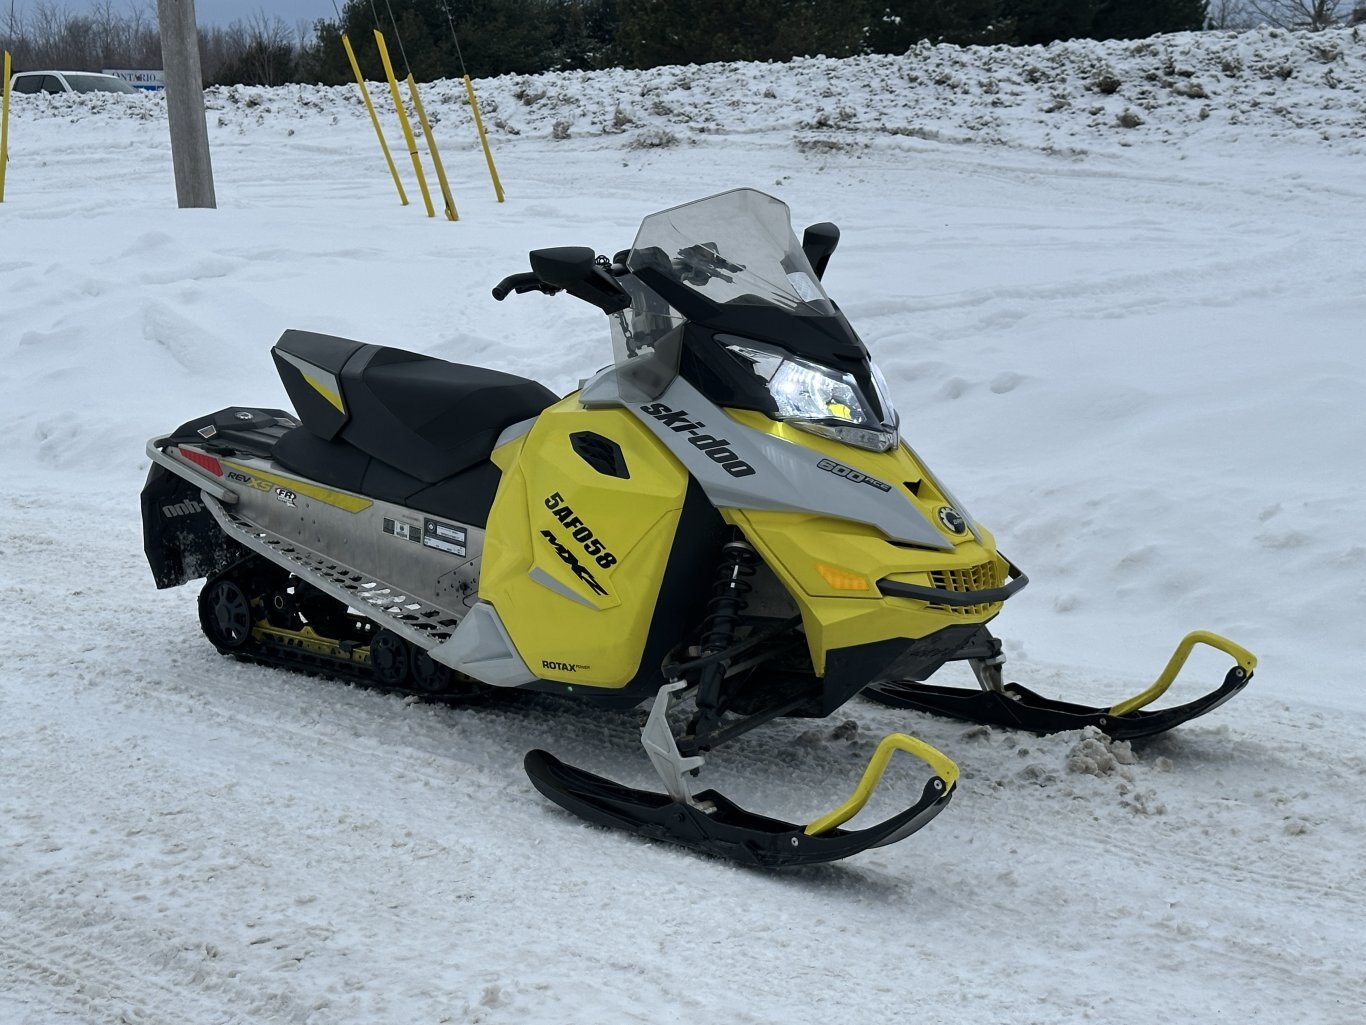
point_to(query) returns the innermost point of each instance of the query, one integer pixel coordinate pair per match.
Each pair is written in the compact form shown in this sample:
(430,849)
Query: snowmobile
(725,523)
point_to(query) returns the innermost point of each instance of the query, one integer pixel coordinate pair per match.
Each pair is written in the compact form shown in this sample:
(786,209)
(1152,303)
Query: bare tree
(262,49)
(46,22)
(1229,14)
(106,25)
(271,52)
(1314,15)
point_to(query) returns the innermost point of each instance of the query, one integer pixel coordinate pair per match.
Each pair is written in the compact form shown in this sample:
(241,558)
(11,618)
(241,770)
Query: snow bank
(1214,88)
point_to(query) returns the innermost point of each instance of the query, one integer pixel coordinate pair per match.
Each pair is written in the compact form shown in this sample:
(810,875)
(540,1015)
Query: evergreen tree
(1044,21)
(585,34)
(495,37)
(655,32)
(896,25)
(529,36)
(1134,19)
(324,61)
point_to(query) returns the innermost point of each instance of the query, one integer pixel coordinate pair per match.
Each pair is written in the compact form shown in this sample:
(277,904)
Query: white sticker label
(444,537)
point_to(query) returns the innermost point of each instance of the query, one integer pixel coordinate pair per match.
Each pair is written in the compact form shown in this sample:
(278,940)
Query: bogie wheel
(430,676)
(225,615)
(389,658)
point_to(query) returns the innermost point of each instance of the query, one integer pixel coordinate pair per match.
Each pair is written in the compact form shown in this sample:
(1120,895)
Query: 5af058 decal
(715,448)
(579,531)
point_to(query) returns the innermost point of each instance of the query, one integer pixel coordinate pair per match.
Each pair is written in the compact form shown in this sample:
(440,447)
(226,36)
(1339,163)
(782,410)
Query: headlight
(821,400)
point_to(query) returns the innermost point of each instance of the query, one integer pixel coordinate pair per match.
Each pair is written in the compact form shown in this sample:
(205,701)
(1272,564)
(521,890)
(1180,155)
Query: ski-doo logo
(571,560)
(952,522)
(186,508)
(851,475)
(715,448)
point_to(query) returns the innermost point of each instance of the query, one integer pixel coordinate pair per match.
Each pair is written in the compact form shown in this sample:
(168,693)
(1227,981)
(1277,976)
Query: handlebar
(573,269)
(523,282)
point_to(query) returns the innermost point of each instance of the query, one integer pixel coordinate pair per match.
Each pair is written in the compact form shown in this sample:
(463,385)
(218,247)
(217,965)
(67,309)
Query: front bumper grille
(982,577)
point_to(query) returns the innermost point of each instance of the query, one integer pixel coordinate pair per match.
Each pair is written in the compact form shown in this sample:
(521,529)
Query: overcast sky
(209,12)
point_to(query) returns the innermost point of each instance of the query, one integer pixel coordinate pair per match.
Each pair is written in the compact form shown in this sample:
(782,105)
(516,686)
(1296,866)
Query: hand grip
(523,282)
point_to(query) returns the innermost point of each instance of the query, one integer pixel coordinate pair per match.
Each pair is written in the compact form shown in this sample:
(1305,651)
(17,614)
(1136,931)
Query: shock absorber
(717,631)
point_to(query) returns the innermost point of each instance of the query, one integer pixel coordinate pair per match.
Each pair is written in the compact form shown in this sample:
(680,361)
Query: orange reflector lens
(842,579)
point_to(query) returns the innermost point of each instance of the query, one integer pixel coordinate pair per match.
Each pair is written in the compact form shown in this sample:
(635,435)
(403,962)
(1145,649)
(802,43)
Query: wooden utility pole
(185,104)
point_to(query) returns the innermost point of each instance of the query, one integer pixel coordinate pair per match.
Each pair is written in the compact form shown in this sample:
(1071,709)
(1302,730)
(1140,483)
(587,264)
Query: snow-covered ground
(1137,353)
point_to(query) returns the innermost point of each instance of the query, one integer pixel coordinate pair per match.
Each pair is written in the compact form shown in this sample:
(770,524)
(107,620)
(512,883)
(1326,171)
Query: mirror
(818,243)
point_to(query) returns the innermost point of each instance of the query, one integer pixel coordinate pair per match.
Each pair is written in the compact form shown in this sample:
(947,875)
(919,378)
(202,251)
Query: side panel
(578,541)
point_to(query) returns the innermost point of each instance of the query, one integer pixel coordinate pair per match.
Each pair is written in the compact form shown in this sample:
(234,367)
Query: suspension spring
(717,630)
(728,601)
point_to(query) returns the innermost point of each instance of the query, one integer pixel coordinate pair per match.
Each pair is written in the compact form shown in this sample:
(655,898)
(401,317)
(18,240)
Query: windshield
(98,84)
(735,248)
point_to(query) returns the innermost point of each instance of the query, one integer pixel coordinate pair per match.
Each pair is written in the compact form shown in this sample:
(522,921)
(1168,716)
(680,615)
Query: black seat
(398,425)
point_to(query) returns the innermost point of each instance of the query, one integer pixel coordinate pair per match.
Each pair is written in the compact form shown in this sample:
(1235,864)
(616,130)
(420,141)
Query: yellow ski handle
(941,763)
(1241,655)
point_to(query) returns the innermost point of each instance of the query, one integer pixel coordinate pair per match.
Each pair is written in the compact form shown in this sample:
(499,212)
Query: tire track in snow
(1244,925)
(129,990)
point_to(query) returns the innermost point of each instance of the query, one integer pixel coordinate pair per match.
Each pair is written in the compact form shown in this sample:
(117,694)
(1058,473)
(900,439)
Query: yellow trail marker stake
(451,214)
(374,119)
(403,120)
(488,155)
(4,127)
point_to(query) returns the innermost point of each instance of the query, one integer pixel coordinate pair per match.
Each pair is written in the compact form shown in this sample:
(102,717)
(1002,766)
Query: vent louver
(602,454)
